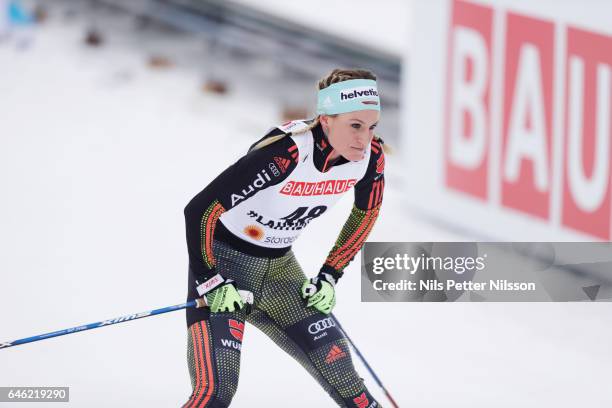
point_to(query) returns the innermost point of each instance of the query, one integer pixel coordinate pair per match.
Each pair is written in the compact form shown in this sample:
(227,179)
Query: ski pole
(97,325)
(363,360)
(247,296)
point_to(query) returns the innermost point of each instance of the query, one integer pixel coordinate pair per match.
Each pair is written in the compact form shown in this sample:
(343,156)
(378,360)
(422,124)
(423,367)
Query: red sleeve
(368,199)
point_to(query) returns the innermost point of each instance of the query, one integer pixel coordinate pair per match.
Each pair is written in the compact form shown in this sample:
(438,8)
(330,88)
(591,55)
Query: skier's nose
(362,139)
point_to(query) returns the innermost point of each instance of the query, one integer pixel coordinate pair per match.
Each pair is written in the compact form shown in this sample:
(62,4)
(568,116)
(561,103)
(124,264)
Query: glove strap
(209,284)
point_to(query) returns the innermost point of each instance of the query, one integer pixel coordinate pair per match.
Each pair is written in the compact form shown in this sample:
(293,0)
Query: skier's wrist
(329,274)
(319,292)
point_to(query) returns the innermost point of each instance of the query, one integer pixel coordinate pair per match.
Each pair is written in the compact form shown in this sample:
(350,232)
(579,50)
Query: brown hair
(337,75)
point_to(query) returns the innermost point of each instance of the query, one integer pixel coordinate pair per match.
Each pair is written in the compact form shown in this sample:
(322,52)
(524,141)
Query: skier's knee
(207,401)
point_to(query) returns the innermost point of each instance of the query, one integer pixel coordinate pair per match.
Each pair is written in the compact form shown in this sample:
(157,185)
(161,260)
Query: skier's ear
(324,119)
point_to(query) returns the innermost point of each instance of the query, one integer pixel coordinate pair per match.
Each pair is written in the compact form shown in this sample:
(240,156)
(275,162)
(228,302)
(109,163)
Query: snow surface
(99,154)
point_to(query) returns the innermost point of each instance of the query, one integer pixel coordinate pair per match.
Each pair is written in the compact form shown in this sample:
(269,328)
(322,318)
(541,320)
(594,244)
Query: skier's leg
(316,335)
(269,327)
(213,356)
(215,339)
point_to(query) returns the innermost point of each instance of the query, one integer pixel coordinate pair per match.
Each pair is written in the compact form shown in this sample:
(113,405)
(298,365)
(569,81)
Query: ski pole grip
(246,295)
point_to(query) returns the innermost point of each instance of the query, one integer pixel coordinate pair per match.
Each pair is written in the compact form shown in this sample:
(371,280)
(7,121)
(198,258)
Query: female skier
(239,234)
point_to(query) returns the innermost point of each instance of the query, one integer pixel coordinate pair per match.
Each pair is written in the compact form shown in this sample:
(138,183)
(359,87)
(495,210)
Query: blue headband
(348,96)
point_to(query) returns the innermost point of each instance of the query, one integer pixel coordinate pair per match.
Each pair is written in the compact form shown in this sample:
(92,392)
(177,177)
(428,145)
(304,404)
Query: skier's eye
(356,126)
(372,127)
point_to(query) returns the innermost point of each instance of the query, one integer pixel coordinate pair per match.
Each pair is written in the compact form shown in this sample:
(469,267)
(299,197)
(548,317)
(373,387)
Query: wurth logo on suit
(236,330)
(302,188)
(362,401)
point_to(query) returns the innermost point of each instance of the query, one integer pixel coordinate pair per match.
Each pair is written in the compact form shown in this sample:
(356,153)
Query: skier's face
(350,133)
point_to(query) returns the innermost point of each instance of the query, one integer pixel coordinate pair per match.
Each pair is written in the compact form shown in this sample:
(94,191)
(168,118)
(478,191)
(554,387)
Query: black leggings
(310,337)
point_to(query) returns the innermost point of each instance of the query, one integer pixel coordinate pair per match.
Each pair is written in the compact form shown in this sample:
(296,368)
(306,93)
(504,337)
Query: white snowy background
(99,154)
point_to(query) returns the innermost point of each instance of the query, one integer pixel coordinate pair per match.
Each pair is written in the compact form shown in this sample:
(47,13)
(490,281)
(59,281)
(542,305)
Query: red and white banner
(509,111)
